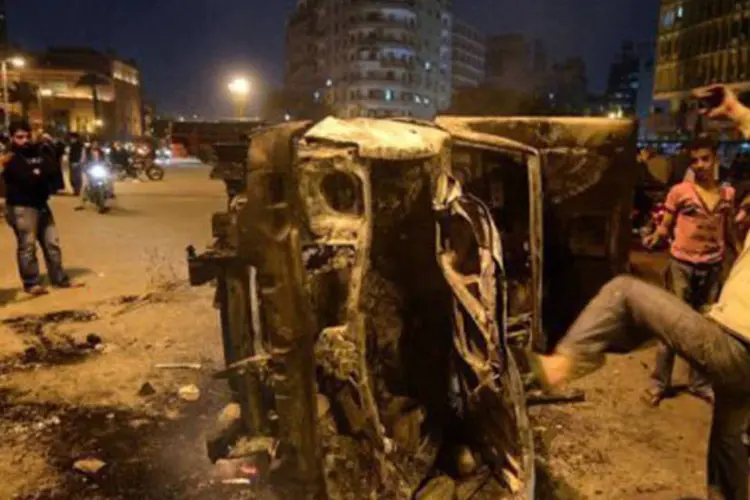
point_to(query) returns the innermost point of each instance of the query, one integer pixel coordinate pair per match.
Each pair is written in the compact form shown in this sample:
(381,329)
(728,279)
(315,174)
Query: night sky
(188,49)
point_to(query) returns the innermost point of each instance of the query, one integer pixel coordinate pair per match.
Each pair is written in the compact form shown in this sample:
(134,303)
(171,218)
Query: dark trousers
(697,285)
(76,178)
(32,226)
(625,314)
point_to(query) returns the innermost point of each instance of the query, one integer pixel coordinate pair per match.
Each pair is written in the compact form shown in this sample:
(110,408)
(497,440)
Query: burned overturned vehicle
(377,279)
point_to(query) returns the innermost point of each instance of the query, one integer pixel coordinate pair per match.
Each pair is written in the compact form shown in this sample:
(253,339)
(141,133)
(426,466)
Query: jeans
(76,178)
(32,225)
(626,313)
(697,286)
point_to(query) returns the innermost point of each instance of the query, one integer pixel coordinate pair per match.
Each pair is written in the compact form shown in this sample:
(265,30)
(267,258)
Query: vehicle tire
(155,173)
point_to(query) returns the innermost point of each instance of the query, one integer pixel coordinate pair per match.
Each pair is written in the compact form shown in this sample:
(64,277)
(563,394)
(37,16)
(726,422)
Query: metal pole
(6,101)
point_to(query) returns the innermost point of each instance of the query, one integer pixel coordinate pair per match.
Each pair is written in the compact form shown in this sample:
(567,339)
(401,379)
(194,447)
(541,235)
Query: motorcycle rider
(120,159)
(50,150)
(95,156)
(28,175)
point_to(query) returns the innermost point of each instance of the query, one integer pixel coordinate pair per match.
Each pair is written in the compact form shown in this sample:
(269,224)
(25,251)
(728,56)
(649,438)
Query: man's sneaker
(36,291)
(68,284)
(653,397)
(706,395)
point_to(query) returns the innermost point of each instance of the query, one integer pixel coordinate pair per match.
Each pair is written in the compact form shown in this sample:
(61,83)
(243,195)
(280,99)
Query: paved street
(69,383)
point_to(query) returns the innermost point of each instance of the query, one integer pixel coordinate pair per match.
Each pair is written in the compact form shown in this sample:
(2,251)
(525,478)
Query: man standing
(628,312)
(49,151)
(76,158)
(700,214)
(27,179)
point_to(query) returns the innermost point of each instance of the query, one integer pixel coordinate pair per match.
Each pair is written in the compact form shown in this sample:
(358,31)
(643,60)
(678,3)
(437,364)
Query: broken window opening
(501,182)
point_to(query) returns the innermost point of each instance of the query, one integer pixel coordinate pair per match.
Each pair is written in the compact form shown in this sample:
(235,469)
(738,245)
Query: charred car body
(375,277)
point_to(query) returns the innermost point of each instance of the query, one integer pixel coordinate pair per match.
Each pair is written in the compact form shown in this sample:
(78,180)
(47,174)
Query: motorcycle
(99,188)
(139,167)
(148,167)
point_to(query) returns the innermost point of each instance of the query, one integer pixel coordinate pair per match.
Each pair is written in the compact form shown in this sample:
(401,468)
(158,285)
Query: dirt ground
(70,381)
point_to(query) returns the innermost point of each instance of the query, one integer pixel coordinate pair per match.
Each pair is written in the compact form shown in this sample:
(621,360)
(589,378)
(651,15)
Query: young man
(28,178)
(627,312)
(700,218)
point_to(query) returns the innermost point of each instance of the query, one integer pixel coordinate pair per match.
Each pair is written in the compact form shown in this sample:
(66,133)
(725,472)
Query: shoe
(653,397)
(36,291)
(78,208)
(68,284)
(706,395)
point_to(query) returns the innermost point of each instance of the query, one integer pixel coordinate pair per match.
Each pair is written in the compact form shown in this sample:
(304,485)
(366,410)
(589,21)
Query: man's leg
(626,313)
(50,243)
(706,292)
(76,178)
(677,280)
(24,222)
(727,454)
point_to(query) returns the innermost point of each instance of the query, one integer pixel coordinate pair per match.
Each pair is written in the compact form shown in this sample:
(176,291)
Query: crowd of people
(705,224)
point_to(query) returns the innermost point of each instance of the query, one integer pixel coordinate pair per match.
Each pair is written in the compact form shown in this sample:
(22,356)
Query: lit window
(428,65)
(388,95)
(680,12)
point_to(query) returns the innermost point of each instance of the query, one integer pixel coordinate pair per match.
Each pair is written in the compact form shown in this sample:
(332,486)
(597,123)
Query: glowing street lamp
(239,88)
(16,62)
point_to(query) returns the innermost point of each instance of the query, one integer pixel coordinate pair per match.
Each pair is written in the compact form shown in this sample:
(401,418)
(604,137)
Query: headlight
(98,172)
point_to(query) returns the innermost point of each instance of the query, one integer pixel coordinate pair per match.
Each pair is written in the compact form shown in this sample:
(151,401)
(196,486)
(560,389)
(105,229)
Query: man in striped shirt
(700,218)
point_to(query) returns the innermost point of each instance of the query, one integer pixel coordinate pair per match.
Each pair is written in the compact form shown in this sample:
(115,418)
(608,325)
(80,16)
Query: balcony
(394,83)
(381,22)
(384,4)
(380,39)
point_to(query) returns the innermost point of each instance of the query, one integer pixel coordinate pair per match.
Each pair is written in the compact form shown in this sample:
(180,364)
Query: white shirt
(733,308)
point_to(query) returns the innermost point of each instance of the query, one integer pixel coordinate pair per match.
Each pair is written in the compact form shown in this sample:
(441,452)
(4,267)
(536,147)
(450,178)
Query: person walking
(49,150)
(76,159)
(700,216)
(627,312)
(27,177)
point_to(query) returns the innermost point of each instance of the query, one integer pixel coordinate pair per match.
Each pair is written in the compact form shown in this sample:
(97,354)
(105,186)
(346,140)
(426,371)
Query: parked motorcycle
(139,167)
(99,188)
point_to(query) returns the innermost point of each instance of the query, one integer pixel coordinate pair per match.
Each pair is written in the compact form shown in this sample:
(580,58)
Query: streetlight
(16,62)
(239,88)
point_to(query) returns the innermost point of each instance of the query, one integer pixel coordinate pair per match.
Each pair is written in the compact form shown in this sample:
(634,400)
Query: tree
(93,81)
(24,93)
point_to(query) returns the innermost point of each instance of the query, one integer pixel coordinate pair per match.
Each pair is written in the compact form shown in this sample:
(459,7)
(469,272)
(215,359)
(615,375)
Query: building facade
(371,57)
(701,42)
(65,102)
(623,82)
(469,53)
(515,62)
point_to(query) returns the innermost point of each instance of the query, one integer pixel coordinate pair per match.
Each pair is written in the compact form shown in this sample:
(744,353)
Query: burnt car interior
(500,179)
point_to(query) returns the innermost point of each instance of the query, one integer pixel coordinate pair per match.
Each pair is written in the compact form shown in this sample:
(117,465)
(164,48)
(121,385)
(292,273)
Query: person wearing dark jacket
(76,159)
(27,177)
(50,151)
